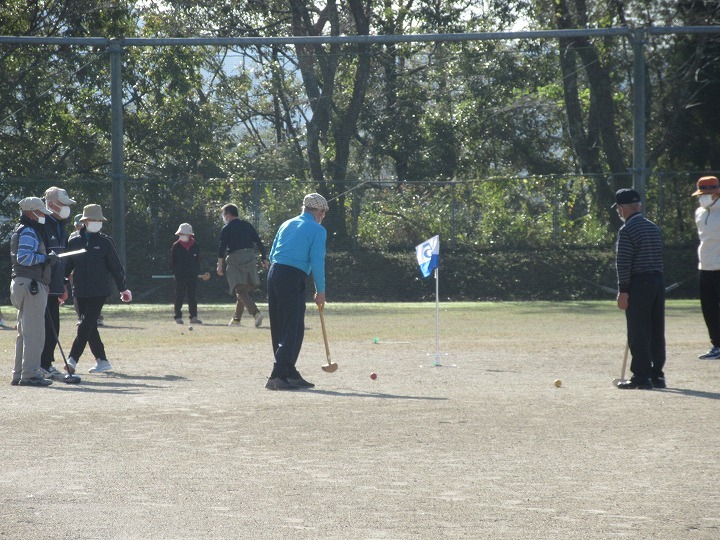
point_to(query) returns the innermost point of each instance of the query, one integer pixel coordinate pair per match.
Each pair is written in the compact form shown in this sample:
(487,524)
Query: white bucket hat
(185,228)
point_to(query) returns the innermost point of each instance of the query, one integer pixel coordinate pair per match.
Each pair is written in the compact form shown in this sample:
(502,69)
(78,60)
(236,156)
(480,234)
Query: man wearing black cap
(641,291)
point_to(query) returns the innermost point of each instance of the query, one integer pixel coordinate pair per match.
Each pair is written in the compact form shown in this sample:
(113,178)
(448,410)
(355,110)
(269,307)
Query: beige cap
(315,201)
(185,228)
(31,204)
(92,212)
(58,194)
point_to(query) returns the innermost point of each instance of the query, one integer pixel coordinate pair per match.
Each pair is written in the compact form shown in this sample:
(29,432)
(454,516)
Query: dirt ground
(182,440)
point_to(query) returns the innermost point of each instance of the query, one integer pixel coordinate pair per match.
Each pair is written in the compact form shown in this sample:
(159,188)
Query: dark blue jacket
(55,238)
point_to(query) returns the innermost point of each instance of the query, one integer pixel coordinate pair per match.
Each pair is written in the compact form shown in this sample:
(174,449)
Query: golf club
(331,366)
(68,378)
(204,277)
(624,366)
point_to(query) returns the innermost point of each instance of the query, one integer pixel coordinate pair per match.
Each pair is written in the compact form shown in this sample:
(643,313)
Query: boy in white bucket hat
(91,273)
(185,265)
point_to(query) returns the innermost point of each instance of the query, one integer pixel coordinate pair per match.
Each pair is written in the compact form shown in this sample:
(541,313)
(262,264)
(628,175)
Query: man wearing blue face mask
(707,219)
(91,272)
(55,237)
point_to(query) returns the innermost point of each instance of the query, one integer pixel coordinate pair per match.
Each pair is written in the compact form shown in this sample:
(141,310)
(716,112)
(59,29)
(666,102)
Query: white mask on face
(226,219)
(64,212)
(94,226)
(184,238)
(41,220)
(706,200)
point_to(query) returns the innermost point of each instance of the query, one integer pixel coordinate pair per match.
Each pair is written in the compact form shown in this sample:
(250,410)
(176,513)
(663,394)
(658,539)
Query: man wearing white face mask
(91,273)
(185,265)
(641,291)
(707,219)
(31,264)
(55,237)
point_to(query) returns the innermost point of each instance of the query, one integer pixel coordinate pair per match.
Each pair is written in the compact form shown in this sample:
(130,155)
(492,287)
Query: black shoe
(634,385)
(280,384)
(659,382)
(14,382)
(299,381)
(35,381)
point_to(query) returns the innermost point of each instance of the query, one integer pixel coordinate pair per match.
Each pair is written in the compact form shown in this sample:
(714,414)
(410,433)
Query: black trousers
(710,303)
(186,285)
(52,317)
(645,318)
(87,331)
(286,307)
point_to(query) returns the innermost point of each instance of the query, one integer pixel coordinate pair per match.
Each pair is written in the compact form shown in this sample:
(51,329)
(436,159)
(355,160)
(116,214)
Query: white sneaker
(55,374)
(100,366)
(234,322)
(72,364)
(259,316)
(45,373)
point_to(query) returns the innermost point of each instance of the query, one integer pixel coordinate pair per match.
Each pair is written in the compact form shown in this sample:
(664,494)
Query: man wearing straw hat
(91,273)
(31,268)
(58,201)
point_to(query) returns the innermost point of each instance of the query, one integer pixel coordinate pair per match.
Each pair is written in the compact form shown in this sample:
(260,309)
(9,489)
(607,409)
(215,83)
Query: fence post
(639,171)
(116,136)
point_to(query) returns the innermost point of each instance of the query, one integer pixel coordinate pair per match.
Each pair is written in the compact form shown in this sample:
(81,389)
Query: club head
(331,367)
(71,379)
(618,381)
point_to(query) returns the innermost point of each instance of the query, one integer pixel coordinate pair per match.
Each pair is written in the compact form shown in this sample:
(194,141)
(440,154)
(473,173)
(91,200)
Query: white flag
(428,255)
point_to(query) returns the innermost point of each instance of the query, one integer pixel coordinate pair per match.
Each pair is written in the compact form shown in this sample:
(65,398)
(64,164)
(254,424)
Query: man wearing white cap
(31,264)
(185,265)
(298,250)
(55,237)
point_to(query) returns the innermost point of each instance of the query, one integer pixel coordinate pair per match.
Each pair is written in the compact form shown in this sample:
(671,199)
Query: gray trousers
(30,327)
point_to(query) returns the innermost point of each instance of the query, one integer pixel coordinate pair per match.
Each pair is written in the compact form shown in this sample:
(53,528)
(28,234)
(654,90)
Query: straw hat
(185,228)
(92,212)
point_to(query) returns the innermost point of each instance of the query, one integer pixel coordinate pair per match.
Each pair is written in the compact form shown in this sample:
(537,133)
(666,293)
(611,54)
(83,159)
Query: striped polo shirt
(639,249)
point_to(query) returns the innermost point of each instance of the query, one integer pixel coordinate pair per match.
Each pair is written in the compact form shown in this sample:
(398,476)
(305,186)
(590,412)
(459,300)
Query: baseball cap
(626,196)
(706,184)
(315,201)
(58,194)
(31,204)
(76,219)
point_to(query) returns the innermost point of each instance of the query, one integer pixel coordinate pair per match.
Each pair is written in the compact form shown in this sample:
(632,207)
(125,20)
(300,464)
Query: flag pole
(437,320)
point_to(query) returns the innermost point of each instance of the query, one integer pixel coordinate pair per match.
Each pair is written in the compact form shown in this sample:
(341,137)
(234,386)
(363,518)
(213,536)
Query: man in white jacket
(707,219)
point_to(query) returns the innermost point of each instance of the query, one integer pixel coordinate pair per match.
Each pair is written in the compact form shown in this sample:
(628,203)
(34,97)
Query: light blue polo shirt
(300,242)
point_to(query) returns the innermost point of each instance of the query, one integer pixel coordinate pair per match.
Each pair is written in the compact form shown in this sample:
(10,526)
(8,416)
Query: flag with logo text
(428,255)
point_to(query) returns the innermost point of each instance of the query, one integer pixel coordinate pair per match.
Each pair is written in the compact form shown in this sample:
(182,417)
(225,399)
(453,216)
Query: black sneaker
(659,382)
(299,381)
(280,384)
(634,385)
(35,381)
(15,382)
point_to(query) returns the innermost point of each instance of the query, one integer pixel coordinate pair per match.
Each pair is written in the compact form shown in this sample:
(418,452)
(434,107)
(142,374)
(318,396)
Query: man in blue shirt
(297,251)
(31,266)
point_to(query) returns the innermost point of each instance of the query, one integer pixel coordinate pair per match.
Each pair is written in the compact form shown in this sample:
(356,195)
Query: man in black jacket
(55,238)
(91,273)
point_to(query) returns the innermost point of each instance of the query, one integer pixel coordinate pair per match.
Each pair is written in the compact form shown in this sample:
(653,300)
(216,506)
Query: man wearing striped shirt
(641,291)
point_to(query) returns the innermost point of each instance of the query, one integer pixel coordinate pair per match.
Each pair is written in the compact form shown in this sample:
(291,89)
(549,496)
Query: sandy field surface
(182,441)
